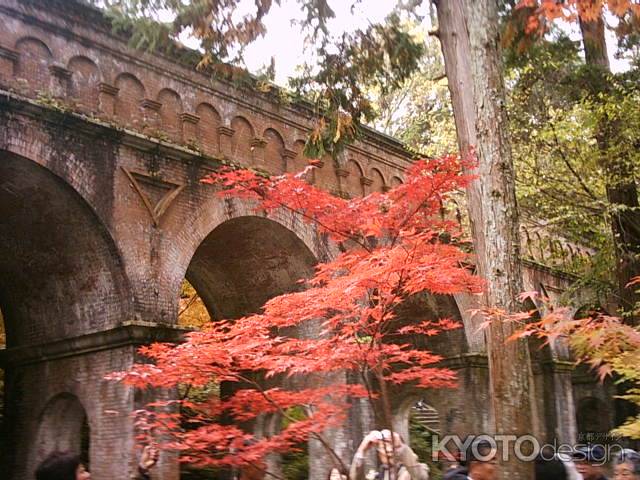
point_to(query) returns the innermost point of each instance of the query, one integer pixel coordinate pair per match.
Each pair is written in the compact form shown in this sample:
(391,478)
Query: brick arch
(274,151)
(170,110)
(353,185)
(33,62)
(280,233)
(207,129)
(62,274)
(131,92)
(62,426)
(378,184)
(325,175)
(85,77)
(395,181)
(243,136)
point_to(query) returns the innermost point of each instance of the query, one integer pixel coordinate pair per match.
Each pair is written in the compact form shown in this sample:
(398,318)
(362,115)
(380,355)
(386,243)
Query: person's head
(62,466)
(627,465)
(590,461)
(335,474)
(385,448)
(480,460)
(550,469)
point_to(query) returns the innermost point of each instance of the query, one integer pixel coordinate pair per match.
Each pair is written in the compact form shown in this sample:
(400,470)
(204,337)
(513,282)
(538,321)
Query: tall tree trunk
(622,192)
(470,44)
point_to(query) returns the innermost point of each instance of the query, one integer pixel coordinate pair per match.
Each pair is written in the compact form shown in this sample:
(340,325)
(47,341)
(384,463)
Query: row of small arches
(552,251)
(164,115)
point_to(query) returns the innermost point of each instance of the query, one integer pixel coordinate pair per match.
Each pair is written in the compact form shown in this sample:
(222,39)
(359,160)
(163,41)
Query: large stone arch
(62,284)
(215,218)
(60,262)
(244,262)
(239,260)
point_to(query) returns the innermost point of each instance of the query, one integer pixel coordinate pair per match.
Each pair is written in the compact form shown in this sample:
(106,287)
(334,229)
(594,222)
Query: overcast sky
(285,41)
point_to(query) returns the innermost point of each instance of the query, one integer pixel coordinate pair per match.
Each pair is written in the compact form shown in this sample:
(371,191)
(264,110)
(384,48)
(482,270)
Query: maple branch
(283,412)
(320,223)
(191,301)
(567,162)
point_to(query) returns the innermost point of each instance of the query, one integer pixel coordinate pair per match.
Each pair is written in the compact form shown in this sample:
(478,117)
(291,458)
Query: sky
(285,42)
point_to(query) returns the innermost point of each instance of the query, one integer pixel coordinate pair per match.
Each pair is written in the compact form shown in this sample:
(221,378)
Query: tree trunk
(622,192)
(470,44)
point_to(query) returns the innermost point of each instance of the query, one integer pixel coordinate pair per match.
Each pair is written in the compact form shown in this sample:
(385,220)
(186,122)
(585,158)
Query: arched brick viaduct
(102,216)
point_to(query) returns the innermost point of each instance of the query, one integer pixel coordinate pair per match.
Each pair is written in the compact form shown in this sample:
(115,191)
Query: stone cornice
(286,153)
(93,125)
(551,270)
(466,360)
(151,104)
(227,131)
(127,334)
(258,143)
(189,118)
(9,54)
(59,71)
(108,89)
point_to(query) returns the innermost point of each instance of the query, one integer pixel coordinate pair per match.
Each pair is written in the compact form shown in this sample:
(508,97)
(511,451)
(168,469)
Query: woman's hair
(550,469)
(630,457)
(58,466)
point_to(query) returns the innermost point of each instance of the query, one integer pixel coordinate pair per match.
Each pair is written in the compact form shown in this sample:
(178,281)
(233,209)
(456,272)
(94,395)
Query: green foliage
(295,464)
(422,445)
(419,111)
(382,57)
(556,107)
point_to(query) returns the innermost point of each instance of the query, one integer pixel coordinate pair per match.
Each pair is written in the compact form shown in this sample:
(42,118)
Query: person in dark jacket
(62,466)
(550,469)
(69,466)
(456,473)
(480,461)
(590,462)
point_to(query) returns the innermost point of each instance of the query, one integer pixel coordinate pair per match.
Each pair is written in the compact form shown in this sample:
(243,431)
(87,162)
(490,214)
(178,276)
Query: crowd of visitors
(395,459)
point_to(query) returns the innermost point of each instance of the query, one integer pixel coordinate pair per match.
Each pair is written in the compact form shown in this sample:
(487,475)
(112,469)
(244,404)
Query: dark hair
(58,466)
(551,469)
(589,454)
(477,451)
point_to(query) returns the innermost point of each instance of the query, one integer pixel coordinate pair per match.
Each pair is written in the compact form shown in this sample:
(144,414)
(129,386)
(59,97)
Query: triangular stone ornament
(156,194)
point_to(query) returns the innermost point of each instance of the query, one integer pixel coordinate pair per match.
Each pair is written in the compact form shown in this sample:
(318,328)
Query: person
(458,472)
(627,465)
(335,474)
(455,468)
(550,469)
(480,460)
(398,456)
(62,466)
(589,461)
(69,466)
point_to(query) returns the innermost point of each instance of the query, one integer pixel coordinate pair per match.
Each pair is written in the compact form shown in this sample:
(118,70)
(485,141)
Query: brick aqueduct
(102,216)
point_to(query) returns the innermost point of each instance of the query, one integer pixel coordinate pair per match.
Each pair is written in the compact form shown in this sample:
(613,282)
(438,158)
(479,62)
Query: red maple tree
(540,11)
(392,245)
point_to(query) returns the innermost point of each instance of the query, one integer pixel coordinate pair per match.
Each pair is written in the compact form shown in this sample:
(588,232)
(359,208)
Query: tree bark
(470,45)
(622,192)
